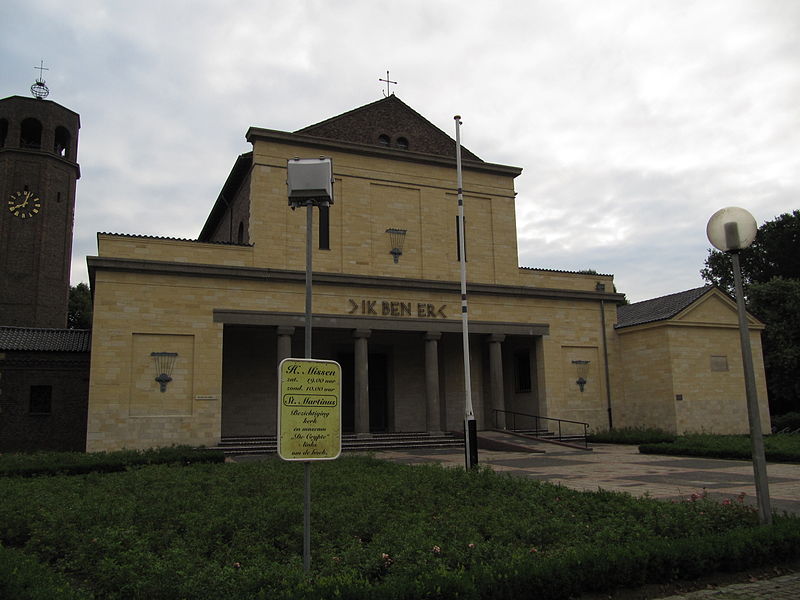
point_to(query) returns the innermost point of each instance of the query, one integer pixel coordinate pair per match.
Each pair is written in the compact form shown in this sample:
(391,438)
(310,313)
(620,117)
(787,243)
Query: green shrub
(77,463)
(777,447)
(22,577)
(632,435)
(790,421)
(379,531)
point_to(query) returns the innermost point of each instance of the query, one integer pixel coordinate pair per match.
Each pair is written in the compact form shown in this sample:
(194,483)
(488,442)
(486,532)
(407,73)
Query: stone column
(434,423)
(496,378)
(285,342)
(361,387)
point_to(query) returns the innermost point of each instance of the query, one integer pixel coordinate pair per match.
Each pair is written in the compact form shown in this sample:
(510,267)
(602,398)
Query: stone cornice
(130,265)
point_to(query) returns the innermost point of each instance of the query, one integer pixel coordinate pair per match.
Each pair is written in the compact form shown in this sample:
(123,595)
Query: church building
(224,309)
(188,334)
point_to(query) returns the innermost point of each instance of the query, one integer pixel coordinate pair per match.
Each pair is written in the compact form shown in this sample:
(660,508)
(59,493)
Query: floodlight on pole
(310,183)
(731,230)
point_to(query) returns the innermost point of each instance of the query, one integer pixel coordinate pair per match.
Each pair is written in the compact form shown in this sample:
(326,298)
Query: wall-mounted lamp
(396,239)
(582,366)
(164,363)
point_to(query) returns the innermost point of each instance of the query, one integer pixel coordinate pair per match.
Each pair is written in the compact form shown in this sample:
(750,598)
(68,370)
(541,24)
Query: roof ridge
(566,271)
(704,288)
(349,112)
(169,238)
(362,120)
(22,327)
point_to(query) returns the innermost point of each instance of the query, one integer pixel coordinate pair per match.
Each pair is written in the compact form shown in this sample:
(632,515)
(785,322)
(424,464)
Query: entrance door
(378,392)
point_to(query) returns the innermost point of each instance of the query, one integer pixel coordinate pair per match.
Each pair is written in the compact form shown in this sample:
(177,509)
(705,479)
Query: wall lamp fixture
(396,238)
(164,362)
(582,366)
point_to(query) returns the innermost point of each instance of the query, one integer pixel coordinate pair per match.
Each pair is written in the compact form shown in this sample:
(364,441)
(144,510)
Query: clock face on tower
(24,205)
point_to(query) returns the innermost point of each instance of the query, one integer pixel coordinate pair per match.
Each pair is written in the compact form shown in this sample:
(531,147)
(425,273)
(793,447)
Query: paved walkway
(623,469)
(778,588)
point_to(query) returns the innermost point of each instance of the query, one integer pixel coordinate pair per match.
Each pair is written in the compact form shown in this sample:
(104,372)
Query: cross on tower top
(41,68)
(388,81)
(39,89)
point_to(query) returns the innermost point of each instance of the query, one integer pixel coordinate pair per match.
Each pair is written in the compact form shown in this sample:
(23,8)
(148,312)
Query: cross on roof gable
(391,123)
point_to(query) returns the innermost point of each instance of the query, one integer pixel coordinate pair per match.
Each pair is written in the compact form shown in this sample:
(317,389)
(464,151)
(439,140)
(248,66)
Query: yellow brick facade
(231,306)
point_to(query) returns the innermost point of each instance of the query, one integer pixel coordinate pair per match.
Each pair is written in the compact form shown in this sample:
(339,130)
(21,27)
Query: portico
(415,363)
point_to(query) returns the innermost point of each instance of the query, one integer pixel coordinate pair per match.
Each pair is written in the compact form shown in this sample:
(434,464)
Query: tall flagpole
(470,428)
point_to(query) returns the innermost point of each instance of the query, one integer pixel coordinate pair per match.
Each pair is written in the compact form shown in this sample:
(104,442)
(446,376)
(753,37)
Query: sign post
(310,183)
(309,422)
(310,411)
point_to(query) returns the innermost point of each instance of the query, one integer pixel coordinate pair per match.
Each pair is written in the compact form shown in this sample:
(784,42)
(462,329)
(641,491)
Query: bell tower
(38,172)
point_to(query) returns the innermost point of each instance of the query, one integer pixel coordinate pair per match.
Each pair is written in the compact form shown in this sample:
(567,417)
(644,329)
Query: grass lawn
(379,530)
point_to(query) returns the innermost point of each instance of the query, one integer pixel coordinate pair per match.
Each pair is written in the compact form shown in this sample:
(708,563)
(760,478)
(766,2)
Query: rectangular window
(522,371)
(719,363)
(458,240)
(324,228)
(41,399)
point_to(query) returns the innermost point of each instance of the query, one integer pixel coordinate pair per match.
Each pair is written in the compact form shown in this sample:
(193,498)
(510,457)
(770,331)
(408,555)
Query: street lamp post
(731,230)
(310,183)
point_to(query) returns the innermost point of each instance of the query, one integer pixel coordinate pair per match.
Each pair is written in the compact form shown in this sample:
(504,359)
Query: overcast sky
(633,121)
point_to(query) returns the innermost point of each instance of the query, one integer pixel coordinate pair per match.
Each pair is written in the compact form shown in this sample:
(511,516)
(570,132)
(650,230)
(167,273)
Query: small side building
(682,364)
(44,387)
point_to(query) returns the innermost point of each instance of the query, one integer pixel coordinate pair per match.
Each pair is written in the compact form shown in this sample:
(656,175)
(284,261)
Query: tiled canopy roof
(658,309)
(30,339)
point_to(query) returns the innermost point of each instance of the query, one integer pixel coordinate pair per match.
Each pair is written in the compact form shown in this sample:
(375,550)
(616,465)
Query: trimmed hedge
(22,577)
(559,576)
(632,435)
(79,463)
(778,447)
(379,531)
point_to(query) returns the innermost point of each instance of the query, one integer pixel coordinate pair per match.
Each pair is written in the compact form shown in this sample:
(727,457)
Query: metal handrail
(514,415)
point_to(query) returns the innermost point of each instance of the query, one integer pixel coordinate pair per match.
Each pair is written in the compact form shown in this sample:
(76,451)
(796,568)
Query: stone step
(350,442)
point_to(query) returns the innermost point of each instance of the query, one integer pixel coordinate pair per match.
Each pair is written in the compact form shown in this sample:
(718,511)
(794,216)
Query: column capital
(496,337)
(285,330)
(433,336)
(362,333)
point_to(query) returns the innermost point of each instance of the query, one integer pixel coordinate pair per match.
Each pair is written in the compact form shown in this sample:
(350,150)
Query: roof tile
(658,309)
(30,339)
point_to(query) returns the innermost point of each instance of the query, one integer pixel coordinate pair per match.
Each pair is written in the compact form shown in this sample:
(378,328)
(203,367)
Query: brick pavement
(786,587)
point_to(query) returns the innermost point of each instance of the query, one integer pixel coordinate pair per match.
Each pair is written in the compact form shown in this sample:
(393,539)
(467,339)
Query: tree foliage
(771,278)
(79,313)
(777,303)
